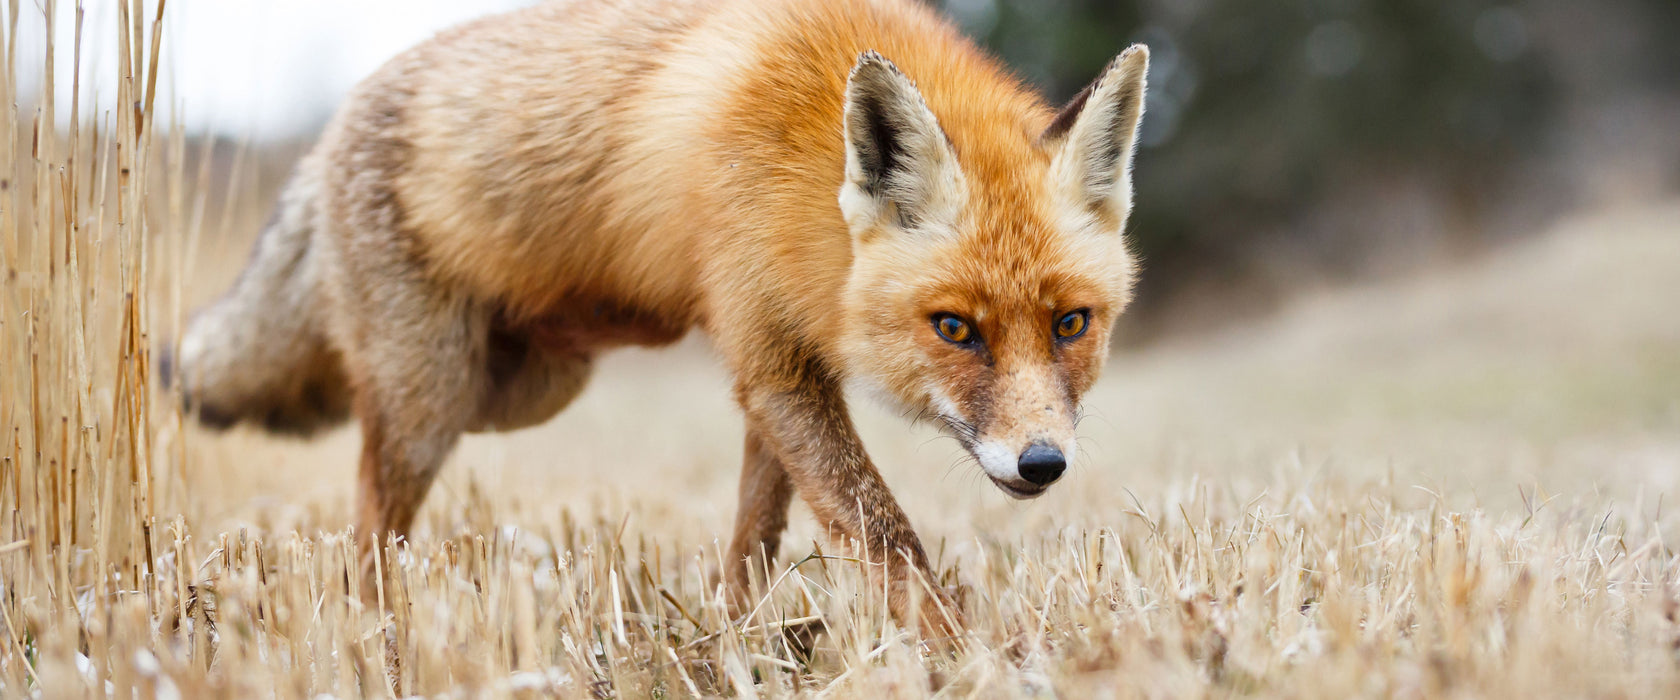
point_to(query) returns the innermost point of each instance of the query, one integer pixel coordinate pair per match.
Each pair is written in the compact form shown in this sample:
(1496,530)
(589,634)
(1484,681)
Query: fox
(847,198)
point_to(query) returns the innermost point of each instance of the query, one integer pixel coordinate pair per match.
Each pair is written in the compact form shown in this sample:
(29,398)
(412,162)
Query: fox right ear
(1092,139)
(900,168)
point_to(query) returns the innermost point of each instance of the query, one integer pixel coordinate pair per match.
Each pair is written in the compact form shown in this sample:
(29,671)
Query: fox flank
(836,192)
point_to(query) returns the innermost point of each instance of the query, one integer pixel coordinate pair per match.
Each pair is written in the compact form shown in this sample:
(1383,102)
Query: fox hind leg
(431,367)
(416,391)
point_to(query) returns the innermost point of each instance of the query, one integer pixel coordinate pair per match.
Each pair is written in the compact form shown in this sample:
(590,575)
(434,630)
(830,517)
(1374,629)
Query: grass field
(1455,484)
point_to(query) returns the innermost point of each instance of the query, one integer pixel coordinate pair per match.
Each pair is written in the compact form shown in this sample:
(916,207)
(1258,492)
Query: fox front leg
(805,425)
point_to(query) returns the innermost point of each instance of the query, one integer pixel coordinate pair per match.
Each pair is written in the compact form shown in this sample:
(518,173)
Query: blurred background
(1289,145)
(1411,267)
(1426,242)
(1297,143)
(1428,249)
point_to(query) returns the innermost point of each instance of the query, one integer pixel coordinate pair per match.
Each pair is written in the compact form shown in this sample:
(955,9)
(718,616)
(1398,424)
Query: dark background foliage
(1290,142)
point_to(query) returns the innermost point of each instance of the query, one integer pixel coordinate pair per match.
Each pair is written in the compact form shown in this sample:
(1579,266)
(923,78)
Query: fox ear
(900,168)
(1093,137)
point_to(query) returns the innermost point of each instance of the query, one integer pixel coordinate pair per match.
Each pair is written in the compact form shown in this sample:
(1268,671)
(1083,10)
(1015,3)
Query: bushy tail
(260,353)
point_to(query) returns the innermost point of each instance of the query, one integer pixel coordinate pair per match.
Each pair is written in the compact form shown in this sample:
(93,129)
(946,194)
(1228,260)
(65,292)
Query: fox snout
(1025,473)
(1025,436)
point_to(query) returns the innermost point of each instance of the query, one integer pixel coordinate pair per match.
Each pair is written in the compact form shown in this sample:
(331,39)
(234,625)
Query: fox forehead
(1021,238)
(999,288)
(1022,253)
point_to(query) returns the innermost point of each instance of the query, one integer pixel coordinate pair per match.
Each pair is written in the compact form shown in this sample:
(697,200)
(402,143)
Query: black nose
(1042,464)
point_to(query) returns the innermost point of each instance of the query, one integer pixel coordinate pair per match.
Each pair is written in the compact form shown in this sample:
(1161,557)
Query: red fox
(838,193)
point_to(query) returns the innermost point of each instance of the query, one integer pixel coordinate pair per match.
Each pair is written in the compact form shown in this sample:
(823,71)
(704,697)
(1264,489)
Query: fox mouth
(1018,491)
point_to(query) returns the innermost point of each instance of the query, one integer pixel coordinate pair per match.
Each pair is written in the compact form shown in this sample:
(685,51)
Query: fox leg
(418,372)
(416,354)
(429,365)
(803,420)
(760,518)
(415,349)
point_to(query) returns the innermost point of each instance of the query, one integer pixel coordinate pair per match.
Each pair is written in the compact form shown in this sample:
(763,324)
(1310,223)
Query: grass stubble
(142,558)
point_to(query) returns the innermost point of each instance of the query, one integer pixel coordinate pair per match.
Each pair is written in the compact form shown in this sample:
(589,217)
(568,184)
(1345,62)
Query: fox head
(985,283)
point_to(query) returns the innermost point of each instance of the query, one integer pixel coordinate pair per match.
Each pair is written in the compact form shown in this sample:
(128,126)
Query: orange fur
(500,204)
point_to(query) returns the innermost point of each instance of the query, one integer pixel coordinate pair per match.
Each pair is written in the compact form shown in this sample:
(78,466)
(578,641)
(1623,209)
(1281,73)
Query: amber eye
(1073,325)
(953,329)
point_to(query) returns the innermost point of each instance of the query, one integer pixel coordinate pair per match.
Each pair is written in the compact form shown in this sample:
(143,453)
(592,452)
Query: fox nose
(1042,464)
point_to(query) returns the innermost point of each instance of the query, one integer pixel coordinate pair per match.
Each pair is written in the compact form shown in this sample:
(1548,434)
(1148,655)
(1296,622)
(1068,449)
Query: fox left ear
(900,167)
(1093,137)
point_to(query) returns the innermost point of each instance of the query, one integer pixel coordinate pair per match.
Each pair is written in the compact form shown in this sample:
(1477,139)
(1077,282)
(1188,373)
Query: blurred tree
(1260,111)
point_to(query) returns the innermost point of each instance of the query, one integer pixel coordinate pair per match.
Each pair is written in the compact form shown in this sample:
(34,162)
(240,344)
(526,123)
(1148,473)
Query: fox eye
(953,329)
(1073,324)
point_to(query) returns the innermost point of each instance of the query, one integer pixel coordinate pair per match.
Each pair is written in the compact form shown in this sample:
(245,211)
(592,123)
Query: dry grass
(1448,486)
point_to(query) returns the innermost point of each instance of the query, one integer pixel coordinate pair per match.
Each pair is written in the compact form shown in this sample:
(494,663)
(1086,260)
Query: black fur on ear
(1069,113)
(874,126)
